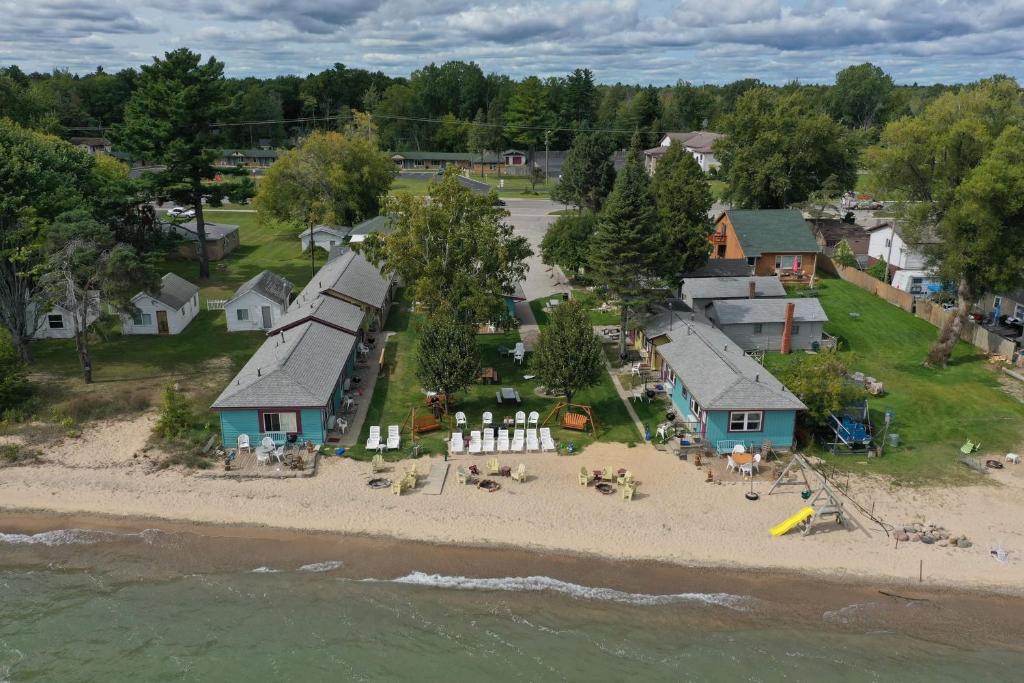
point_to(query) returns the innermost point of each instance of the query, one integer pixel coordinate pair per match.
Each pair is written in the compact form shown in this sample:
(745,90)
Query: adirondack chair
(628,490)
(377,464)
(608,474)
(488,420)
(519,473)
(462,474)
(585,476)
(492,467)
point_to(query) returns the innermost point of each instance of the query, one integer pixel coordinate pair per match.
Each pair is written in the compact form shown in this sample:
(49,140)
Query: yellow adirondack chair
(519,474)
(492,466)
(626,478)
(628,490)
(462,474)
(377,464)
(608,474)
(585,476)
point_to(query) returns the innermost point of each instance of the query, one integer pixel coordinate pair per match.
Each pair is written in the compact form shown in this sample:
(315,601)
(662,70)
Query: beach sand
(675,517)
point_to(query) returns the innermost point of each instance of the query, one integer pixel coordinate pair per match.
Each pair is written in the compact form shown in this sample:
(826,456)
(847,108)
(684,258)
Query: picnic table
(507,394)
(488,375)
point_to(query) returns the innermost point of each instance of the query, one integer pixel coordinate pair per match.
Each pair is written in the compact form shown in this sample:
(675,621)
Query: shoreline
(954,617)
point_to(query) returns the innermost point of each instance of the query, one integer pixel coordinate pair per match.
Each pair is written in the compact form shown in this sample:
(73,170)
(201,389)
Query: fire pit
(605,488)
(379,483)
(488,485)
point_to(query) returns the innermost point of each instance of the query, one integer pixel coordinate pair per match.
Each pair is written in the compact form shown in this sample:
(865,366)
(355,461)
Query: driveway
(530,218)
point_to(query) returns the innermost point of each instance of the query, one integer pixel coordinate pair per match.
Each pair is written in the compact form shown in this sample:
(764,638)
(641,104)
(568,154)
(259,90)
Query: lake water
(88,606)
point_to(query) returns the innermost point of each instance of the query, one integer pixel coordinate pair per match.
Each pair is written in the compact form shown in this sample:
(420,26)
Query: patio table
(742,458)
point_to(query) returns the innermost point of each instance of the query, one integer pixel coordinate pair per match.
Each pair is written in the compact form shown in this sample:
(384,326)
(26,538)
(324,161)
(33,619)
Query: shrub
(14,385)
(13,454)
(175,419)
(879,270)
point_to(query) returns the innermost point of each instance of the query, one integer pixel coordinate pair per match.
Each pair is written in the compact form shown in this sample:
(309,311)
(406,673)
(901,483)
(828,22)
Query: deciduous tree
(567,242)
(568,356)
(819,380)
(587,174)
(447,357)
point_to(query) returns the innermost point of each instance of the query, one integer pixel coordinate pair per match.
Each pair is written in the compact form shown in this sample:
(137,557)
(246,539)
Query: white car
(178,212)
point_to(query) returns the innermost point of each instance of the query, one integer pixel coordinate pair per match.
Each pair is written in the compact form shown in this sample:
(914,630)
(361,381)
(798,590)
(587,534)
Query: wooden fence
(972,332)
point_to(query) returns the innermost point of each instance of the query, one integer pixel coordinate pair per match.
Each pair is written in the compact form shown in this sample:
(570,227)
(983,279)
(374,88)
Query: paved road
(530,218)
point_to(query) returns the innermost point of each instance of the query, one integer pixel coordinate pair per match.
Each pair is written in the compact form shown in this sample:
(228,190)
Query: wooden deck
(244,466)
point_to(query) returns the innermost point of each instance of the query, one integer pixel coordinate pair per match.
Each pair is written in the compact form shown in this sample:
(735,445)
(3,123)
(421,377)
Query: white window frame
(142,319)
(749,420)
(1018,311)
(52,318)
(285,419)
(242,315)
(782,259)
(997,301)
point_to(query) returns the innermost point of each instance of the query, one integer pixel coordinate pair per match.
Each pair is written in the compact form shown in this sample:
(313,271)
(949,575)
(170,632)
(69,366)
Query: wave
(264,570)
(328,566)
(575,590)
(78,537)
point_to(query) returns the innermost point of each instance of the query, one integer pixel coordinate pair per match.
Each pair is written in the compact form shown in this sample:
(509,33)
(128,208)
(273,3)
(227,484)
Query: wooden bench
(424,424)
(574,421)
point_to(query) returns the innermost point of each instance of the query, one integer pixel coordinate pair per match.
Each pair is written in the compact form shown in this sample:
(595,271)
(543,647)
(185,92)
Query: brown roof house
(773,241)
(828,232)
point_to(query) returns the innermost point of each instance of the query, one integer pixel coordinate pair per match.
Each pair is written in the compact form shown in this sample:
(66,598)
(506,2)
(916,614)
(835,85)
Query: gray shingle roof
(339,231)
(739,311)
(772,231)
(175,291)
(471,157)
(214,231)
(375,224)
(352,276)
(297,368)
(719,375)
(732,287)
(325,309)
(697,140)
(269,285)
(664,320)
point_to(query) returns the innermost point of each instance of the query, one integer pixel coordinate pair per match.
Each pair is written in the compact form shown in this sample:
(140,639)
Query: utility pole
(547,144)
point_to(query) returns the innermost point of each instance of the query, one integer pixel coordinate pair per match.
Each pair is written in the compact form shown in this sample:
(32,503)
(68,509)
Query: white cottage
(259,304)
(324,236)
(167,312)
(59,322)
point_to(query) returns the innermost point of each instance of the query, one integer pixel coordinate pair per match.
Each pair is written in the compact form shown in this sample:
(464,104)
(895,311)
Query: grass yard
(514,187)
(399,391)
(935,410)
(587,299)
(717,188)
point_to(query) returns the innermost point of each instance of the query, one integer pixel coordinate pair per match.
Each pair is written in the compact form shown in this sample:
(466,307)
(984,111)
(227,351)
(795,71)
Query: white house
(906,259)
(59,322)
(324,236)
(167,312)
(699,143)
(258,304)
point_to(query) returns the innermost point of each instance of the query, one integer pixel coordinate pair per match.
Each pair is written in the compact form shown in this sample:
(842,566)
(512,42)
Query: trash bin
(894,440)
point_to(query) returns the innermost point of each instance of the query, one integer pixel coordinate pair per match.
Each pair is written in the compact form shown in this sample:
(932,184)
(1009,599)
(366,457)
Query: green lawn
(717,188)
(399,391)
(514,187)
(587,299)
(936,410)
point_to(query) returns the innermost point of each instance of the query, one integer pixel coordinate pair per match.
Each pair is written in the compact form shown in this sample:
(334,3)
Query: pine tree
(627,245)
(684,200)
(587,174)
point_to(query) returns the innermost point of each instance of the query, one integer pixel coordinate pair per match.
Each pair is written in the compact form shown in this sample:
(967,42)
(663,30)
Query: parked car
(499,202)
(179,212)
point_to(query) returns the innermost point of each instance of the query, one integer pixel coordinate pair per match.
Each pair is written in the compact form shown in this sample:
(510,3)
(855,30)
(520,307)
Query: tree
(41,177)
(879,270)
(528,116)
(330,179)
(843,254)
(778,149)
(625,251)
(171,119)
(862,97)
(683,197)
(447,357)
(568,356)
(14,385)
(482,137)
(536,176)
(940,161)
(453,247)
(580,103)
(587,174)
(87,265)
(567,242)
(819,380)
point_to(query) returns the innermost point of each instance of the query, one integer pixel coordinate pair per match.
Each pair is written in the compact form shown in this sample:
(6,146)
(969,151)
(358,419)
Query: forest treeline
(455,106)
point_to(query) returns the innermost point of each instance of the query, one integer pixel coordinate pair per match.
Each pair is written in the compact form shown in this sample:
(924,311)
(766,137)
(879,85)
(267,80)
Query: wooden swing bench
(424,424)
(574,421)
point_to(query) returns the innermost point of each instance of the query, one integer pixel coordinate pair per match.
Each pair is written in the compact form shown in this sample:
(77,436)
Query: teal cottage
(290,387)
(723,393)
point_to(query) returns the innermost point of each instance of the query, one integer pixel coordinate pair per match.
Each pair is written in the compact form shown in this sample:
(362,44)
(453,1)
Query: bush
(175,419)
(14,385)
(13,454)
(819,380)
(567,242)
(879,270)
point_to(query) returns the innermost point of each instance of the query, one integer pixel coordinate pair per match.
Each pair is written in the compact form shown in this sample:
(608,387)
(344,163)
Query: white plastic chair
(533,419)
(488,443)
(262,457)
(267,444)
(546,442)
(747,470)
(520,419)
(456,444)
(634,370)
(243,443)
(532,442)
(730,464)
(373,443)
(460,419)
(503,442)
(739,448)
(488,420)
(394,438)
(519,357)
(518,441)
(757,462)
(475,445)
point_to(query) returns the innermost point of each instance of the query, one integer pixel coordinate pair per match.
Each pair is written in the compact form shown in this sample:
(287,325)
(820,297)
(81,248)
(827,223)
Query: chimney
(751,287)
(787,330)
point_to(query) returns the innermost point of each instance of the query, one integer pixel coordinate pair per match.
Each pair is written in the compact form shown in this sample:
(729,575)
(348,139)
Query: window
(788,262)
(888,243)
(751,260)
(1018,311)
(758,328)
(281,422)
(142,319)
(997,301)
(745,421)
(242,314)
(55,321)
(796,329)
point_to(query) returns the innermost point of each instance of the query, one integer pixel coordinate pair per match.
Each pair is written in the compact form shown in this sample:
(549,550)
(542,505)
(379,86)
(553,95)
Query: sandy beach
(675,518)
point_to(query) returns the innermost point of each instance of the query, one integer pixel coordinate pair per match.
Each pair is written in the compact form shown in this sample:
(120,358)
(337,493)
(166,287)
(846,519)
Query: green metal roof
(488,157)
(772,231)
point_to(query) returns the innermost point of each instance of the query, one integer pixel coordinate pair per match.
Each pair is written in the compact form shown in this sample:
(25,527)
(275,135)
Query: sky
(629,41)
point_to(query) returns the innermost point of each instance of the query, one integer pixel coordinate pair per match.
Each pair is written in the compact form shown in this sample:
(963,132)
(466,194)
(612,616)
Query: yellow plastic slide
(782,527)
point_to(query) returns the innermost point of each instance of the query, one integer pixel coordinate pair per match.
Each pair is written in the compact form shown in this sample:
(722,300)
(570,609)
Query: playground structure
(823,503)
(580,421)
(851,429)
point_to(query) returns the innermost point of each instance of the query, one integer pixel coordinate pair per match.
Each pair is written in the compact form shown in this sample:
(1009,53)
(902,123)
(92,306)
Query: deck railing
(216,304)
